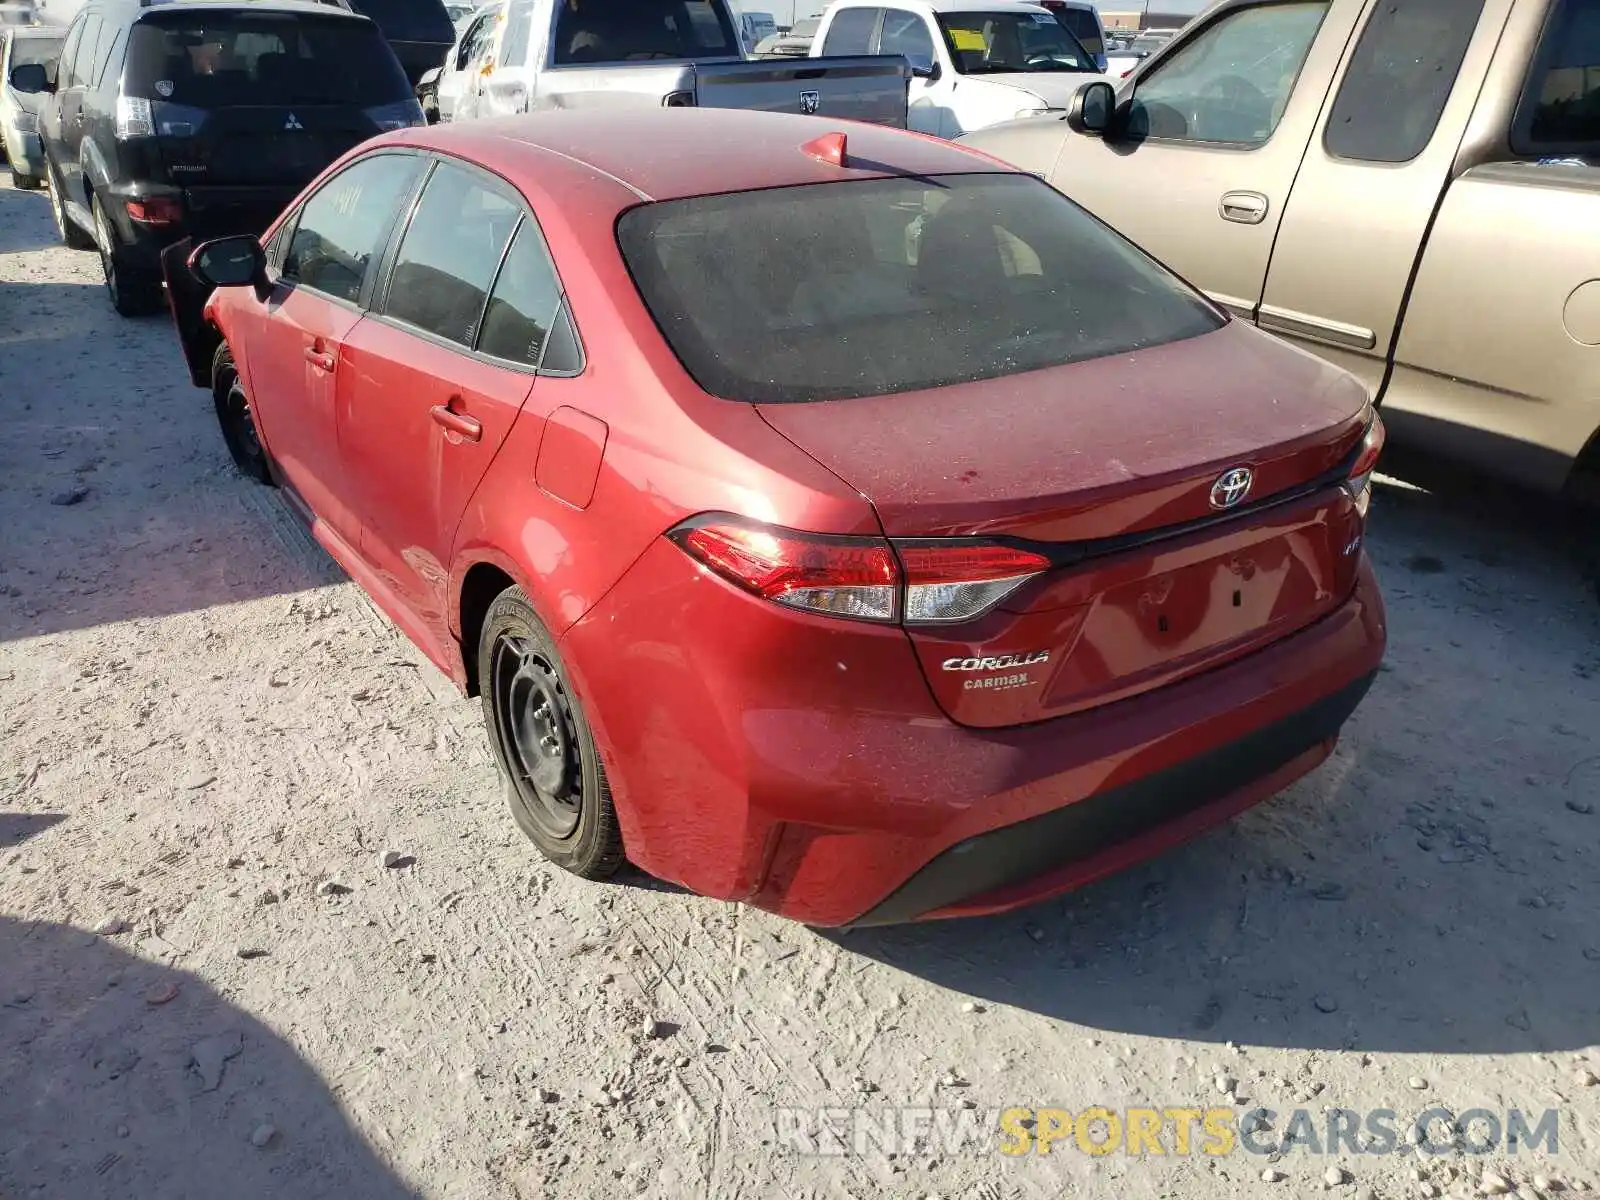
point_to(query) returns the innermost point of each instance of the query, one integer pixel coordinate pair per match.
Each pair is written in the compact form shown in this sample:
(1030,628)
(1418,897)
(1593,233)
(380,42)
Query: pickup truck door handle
(320,359)
(458,423)
(1247,208)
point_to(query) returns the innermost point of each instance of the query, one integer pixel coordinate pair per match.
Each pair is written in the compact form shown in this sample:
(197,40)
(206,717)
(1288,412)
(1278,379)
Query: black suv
(200,118)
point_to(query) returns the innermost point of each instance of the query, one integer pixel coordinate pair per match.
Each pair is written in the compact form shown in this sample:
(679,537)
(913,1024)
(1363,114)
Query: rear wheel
(71,236)
(133,293)
(237,421)
(555,783)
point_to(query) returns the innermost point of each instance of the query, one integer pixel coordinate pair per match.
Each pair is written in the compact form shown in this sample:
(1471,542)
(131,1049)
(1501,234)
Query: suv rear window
(614,31)
(837,290)
(216,59)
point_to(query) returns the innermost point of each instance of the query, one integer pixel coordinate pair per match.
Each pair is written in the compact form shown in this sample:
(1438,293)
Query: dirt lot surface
(211,984)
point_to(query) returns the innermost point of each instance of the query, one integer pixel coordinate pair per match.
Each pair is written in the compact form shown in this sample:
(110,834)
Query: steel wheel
(537,736)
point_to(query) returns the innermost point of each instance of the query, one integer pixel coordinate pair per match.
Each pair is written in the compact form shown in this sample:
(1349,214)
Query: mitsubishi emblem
(293,122)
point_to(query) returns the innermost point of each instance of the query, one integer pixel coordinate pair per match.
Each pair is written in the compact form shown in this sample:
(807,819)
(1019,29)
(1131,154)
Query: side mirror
(1091,109)
(925,70)
(30,79)
(230,262)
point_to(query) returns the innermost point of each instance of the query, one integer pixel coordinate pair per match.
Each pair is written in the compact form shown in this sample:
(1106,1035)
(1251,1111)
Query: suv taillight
(1359,484)
(920,582)
(134,118)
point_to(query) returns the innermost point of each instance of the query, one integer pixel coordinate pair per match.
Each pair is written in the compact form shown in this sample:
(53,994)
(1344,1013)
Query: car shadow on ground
(1435,887)
(119,500)
(20,227)
(125,1077)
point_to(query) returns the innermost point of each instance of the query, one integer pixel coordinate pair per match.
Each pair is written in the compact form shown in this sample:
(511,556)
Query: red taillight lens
(155,210)
(1360,481)
(838,576)
(958,581)
(932,581)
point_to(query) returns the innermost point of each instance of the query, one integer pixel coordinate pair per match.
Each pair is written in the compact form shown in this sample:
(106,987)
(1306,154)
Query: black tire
(554,781)
(132,293)
(71,236)
(237,421)
(24,183)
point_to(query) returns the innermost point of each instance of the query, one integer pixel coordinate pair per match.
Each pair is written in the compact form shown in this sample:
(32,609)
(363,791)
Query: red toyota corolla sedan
(830,518)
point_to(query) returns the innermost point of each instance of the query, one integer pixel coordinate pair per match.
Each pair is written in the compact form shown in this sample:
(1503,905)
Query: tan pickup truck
(1408,188)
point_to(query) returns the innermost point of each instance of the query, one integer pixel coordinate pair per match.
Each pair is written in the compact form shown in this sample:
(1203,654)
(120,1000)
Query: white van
(974,63)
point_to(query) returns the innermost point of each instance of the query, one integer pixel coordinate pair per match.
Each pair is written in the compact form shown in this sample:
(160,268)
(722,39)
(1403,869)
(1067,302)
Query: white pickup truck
(561,54)
(974,63)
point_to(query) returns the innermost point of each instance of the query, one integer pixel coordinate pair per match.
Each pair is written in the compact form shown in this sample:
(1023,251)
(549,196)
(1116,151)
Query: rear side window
(449,255)
(83,58)
(1084,27)
(524,302)
(409,20)
(1560,112)
(1399,79)
(906,33)
(345,223)
(108,57)
(219,58)
(830,291)
(639,30)
(851,31)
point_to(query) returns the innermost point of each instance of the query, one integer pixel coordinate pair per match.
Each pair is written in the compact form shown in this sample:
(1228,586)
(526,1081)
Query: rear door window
(78,70)
(1560,111)
(906,33)
(523,305)
(220,58)
(852,31)
(345,223)
(450,253)
(1084,27)
(831,291)
(1399,79)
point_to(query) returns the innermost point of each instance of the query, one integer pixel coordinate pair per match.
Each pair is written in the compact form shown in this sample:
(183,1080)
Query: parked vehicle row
(1408,191)
(794,42)
(614,430)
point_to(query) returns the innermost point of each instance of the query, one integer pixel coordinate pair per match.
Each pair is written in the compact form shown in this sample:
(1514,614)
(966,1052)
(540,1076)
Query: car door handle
(1246,208)
(457,422)
(320,359)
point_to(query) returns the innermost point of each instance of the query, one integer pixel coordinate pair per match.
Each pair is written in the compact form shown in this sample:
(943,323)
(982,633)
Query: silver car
(19,112)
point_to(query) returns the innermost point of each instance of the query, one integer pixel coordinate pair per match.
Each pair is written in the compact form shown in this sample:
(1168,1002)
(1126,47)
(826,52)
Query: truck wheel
(133,293)
(555,783)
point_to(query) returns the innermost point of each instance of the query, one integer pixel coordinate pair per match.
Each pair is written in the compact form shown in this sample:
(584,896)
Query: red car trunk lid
(1121,452)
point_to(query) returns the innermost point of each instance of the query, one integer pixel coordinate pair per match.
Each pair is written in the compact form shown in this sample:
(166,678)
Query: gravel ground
(211,984)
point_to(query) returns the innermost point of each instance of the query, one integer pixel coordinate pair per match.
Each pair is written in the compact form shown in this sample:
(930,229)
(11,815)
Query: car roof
(298,7)
(669,153)
(30,33)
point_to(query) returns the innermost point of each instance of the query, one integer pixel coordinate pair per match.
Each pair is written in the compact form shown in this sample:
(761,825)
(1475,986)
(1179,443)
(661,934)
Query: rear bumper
(23,152)
(208,213)
(801,765)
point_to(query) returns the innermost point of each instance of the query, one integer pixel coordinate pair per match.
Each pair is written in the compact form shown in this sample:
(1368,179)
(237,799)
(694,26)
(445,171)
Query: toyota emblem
(1231,487)
(810,102)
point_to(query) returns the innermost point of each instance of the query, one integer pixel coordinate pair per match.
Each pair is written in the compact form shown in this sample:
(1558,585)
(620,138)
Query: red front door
(420,424)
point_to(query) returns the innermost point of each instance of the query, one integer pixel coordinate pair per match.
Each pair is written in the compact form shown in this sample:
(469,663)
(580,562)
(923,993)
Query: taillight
(958,581)
(134,118)
(1359,484)
(931,581)
(155,210)
(838,576)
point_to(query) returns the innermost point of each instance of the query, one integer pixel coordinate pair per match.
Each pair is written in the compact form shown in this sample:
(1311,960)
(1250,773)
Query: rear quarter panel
(1502,332)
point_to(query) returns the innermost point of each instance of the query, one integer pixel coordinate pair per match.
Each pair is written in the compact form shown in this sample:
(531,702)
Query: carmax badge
(1002,662)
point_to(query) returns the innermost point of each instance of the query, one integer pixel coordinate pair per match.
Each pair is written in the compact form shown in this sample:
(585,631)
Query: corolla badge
(1231,487)
(810,102)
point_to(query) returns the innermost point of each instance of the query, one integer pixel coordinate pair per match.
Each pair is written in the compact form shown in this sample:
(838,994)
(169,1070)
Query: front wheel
(555,783)
(236,418)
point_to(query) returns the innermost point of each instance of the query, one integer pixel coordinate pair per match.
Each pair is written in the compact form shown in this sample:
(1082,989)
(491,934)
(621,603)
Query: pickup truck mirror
(31,79)
(1091,108)
(926,70)
(230,262)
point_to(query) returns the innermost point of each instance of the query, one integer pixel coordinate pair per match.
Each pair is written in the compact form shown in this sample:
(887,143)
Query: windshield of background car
(43,51)
(639,30)
(985,43)
(837,290)
(214,59)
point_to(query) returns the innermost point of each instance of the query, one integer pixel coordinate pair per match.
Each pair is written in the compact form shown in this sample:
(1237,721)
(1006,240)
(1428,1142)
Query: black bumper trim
(1013,854)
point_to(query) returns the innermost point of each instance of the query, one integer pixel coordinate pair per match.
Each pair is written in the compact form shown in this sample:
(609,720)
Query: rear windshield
(638,30)
(989,43)
(837,290)
(42,51)
(214,59)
